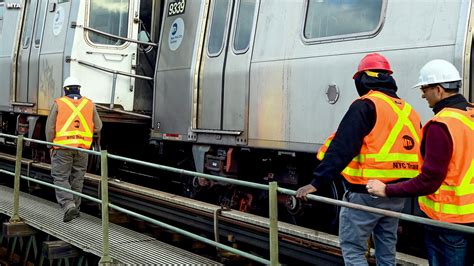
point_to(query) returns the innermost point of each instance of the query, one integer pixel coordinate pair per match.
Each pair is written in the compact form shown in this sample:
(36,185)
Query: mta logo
(175,29)
(408,142)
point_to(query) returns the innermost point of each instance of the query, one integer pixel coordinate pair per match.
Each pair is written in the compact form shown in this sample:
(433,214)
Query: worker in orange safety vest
(73,120)
(378,138)
(446,181)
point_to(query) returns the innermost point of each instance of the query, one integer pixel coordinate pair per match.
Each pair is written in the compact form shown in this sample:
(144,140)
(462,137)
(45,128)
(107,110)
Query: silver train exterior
(266,74)
(278,74)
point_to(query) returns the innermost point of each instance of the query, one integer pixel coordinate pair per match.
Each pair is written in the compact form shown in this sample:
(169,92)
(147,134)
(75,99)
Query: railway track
(297,245)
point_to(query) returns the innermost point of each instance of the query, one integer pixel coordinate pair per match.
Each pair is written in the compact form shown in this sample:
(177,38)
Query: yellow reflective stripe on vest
(466,187)
(403,119)
(459,117)
(76,112)
(447,208)
(73,141)
(358,158)
(75,133)
(409,158)
(320,155)
(380,173)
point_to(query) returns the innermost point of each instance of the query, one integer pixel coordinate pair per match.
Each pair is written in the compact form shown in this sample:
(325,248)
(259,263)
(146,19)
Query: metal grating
(126,246)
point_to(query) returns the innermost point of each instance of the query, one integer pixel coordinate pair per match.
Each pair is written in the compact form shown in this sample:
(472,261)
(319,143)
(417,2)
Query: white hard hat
(437,71)
(71,81)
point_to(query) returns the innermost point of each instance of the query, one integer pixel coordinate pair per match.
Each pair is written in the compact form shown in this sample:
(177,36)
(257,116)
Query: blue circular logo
(175,28)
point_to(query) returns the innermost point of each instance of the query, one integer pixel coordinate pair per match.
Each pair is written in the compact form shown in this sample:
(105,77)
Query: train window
(243,30)
(218,26)
(40,23)
(330,18)
(28,28)
(110,16)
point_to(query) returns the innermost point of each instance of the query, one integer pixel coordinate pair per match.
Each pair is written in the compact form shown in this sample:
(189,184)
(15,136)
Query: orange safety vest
(454,200)
(74,123)
(390,150)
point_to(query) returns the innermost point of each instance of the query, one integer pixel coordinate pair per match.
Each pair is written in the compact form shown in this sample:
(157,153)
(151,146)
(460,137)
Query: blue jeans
(446,247)
(356,226)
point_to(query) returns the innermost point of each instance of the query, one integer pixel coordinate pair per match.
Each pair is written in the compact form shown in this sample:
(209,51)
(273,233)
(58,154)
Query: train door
(29,51)
(11,14)
(224,72)
(52,37)
(4,96)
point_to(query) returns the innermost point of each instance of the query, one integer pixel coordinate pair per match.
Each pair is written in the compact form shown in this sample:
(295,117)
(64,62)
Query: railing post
(273,190)
(106,259)
(16,185)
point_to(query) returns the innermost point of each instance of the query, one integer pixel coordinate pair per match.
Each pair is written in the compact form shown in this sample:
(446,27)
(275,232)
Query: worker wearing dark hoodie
(378,138)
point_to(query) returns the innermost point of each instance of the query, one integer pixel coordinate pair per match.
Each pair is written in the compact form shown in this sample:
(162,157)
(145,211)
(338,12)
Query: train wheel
(93,164)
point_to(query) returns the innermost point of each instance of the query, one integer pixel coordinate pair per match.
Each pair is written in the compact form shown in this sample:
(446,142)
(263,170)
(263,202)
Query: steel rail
(402,216)
(292,246)
(272,188)
(105,205)
(399,215)
(148,219)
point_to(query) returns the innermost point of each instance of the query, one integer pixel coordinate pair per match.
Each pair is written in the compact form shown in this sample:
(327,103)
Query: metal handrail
(123,112)
(69,59)
(105,259)
(53,186)
(402,216)
(272,188)
(145,218)
(74,25)
(115,73)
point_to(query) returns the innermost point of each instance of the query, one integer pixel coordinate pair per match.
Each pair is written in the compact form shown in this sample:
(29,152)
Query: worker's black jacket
(357,123)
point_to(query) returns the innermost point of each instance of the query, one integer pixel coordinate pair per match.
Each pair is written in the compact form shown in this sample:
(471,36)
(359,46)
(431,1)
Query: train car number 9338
(176,8)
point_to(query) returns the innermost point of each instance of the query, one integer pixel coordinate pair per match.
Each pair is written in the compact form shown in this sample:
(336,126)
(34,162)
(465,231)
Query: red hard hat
(373,61)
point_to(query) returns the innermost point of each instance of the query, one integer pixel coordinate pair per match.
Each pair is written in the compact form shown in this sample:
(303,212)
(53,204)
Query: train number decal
(176,8)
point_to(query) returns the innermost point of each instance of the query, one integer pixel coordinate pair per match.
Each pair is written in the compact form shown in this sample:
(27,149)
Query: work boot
(71,214)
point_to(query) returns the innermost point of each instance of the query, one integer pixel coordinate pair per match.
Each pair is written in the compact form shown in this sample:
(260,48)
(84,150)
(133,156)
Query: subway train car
(254,87)
(246,89)
(45,41)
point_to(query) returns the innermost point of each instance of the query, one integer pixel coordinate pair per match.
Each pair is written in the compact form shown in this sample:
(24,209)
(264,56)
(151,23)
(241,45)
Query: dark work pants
(356,226)
(447,247)
(68,168)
